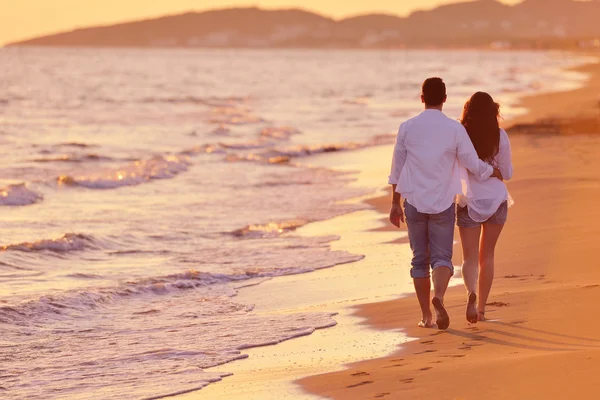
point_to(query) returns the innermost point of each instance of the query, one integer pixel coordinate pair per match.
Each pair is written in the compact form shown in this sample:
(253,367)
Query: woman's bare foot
(481,316)
(426,321)
(472,314)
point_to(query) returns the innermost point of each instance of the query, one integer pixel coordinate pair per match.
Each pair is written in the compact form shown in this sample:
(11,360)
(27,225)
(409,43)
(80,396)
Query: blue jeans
(431,239)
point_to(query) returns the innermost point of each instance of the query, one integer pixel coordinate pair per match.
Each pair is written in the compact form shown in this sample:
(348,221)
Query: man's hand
(396,215)
(497,174)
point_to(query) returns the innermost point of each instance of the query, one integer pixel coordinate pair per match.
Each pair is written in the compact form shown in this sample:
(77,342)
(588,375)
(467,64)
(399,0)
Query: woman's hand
(396,215)
(497,174)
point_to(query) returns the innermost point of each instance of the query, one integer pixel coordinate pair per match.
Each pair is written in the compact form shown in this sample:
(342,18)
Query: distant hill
(546,23)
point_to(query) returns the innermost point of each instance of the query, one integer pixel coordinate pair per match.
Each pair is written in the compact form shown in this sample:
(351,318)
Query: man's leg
(441,279)
(441,243)
(419,243)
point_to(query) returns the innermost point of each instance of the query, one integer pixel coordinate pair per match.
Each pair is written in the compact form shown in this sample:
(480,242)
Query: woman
(482,211)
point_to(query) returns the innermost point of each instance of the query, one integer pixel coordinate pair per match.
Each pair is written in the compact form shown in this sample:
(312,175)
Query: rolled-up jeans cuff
(443,265)
(420,273)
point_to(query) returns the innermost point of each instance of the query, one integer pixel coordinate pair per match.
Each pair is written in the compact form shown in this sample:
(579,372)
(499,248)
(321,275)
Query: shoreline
(532,347)
(269,372)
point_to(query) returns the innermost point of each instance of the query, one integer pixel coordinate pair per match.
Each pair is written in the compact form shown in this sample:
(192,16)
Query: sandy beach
(542,339)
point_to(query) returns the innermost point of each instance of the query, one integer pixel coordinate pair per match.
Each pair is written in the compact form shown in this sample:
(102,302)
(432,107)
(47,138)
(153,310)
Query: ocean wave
(284,155)
(220,288)
(204,149)
(263,151)
(80,275)
(71,303)
(66,243)
(160,167)
(213,101)
(272,229)
(18,195)
(75,144)
(74,158)
(229,115)
(360,101)
(221,130)
(279,132)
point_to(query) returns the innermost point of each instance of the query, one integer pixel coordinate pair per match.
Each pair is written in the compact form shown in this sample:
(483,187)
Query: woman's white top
(483,197)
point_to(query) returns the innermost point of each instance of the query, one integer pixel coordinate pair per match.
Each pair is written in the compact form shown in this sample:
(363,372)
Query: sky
(22,19)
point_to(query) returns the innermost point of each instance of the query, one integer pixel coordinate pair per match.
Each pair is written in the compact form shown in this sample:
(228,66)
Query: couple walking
(447,171)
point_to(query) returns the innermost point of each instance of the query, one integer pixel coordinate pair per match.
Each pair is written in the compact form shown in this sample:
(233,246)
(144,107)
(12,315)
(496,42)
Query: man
(425,170)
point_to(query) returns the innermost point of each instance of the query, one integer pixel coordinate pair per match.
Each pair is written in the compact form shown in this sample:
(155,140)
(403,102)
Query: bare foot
(443,320)
(472,315)
(481,316)
(426,321)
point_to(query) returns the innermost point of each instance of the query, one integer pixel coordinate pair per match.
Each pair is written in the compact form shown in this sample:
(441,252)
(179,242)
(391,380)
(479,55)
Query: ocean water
(140,190)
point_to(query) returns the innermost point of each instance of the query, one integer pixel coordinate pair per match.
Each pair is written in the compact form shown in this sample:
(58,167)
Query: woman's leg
(470,245)
(469,238)
(489,238)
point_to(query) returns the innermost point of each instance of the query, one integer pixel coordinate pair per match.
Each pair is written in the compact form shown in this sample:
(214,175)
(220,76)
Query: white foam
(162,167)
(18,195)
(64,244)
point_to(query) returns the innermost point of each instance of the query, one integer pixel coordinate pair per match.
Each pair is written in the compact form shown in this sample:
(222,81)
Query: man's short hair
(434,91)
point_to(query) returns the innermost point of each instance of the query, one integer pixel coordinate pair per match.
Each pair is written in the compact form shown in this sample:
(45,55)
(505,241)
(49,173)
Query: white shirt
(426,167)
(484,197)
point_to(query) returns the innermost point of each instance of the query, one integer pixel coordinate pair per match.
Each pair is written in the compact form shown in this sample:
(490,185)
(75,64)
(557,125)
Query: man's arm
(504,157)
(468,158)
(396,197)
(396,213)
(398,161)
(398,158)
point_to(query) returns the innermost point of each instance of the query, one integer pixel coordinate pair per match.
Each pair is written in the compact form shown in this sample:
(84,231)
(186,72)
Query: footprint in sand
(380,395)
(395,366)
(360,374)
(472,344)
(426,351)
(426,368)
(524,277)
(407,380)
(427,342)
(497,304)
(359,384)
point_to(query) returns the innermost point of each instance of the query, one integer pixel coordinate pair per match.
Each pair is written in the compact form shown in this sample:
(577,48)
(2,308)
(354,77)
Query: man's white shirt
(429,152)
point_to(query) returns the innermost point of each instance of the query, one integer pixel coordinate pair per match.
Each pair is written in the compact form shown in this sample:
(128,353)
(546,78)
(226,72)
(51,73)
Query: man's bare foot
(443,320)
(472,315)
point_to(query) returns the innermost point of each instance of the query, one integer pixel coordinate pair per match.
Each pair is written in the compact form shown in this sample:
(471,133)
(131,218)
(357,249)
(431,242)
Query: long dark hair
(480,119)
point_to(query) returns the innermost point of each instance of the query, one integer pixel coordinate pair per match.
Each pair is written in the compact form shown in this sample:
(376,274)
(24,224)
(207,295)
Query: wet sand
(542,339)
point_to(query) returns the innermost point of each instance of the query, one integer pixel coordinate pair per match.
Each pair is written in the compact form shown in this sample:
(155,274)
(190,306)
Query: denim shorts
(463,220)
(431,239)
